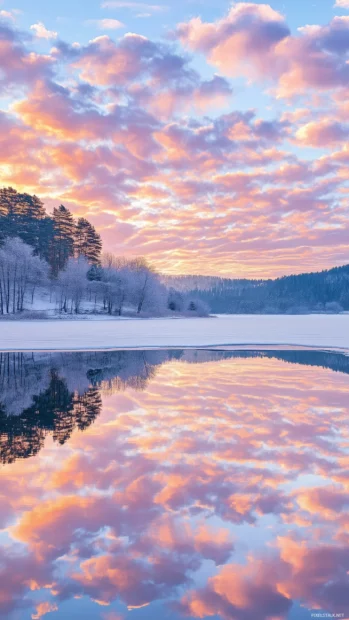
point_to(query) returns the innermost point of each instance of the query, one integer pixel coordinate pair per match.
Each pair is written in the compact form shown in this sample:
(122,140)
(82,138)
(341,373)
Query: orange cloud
(42,609)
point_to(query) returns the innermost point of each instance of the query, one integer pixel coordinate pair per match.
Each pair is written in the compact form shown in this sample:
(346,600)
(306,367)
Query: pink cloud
(7,15)
(267,586)
(17,64)
(106,24)
(245,38)
(330,500)
(42,32)
(105,62)
(143,6)
(42,609)
(239,592)
(324,133)
(255,42)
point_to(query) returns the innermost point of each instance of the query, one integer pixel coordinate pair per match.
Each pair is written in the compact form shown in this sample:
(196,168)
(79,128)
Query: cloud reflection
(210,484)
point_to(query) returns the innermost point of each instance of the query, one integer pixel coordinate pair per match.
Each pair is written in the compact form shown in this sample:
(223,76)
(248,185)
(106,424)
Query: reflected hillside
(337,362)
(56,393)
(322,359)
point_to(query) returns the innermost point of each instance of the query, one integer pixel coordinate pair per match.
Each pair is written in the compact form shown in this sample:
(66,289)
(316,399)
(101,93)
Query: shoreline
(227,332)
(227,347)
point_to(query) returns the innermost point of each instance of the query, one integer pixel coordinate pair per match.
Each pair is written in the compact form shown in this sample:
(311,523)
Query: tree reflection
(56,393)
(57,411)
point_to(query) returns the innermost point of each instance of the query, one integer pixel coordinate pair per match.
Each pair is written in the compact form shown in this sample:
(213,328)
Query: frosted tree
(116,288)
(147,292)
(19,270)
(72,285)
(175,301)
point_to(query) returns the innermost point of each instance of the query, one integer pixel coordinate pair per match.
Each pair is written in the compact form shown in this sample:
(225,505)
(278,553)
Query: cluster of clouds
(129,133)
(254,41)
(176,480)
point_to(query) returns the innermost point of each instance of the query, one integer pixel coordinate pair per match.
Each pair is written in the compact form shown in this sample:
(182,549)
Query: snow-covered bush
(175,301)
(197,307)
(333,307)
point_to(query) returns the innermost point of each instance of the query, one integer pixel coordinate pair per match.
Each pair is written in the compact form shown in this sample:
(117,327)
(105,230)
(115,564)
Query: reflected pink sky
(220,491)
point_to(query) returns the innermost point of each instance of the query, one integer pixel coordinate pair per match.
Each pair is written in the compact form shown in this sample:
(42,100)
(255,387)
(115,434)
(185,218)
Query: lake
(151,485)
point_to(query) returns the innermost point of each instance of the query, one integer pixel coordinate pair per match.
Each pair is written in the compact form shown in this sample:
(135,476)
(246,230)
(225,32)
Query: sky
(208,136)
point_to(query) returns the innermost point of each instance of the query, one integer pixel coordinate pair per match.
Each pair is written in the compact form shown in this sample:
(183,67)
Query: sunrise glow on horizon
(209,137)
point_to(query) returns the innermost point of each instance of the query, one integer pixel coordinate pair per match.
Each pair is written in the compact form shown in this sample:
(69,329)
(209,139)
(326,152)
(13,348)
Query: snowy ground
(325,331)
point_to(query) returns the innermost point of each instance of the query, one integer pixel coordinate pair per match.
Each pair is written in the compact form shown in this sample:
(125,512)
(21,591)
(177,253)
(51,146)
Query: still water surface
(151,485)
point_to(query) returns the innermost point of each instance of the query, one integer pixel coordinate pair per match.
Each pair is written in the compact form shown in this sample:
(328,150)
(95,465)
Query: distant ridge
(322,291)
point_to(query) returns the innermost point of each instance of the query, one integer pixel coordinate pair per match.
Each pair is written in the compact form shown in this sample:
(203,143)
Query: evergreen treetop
(56,237)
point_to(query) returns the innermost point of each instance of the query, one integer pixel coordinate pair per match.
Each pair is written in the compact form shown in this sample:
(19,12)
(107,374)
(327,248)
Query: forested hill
(325,291)
(64,255)
(53,264)
(54,238)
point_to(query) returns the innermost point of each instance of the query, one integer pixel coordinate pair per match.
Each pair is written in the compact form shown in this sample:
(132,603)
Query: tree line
(320,292)
(58,260)
(54,238)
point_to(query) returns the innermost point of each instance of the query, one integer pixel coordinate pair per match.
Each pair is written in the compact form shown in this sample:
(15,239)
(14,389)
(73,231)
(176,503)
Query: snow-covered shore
(324,331)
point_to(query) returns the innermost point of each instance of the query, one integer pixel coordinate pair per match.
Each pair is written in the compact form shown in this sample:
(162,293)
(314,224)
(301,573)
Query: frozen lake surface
(325,331)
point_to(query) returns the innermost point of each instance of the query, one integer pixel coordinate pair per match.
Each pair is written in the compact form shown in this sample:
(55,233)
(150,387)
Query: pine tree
(94,274)
(21,215)
(46,238)
(27,216)
(88,242)
(56,238)
(8,199)
(62,245)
